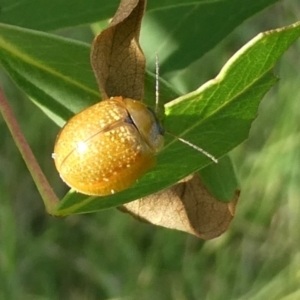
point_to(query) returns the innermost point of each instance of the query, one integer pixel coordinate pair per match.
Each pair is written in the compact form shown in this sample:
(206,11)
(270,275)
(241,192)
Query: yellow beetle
(105,148)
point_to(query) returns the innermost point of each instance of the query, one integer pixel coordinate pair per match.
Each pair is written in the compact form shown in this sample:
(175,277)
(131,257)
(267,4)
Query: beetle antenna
(210,156)
(156,82)
(207,154)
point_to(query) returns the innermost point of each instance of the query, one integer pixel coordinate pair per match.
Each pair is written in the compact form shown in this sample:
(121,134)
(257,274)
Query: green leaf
(218,116)
(208,22)
(186,30)
(56,72)
(50,15)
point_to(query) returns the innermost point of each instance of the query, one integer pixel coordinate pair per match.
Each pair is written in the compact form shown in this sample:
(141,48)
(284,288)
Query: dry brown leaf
(117,59)
(187,206)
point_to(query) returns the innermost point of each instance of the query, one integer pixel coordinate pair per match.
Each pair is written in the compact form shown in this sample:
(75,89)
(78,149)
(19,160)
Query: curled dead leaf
(117,58)
(188,206)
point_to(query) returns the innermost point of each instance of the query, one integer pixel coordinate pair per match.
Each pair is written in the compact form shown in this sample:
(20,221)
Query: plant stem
(49,198)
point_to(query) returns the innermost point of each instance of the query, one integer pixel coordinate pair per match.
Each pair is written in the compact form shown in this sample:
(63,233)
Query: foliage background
(108,255)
